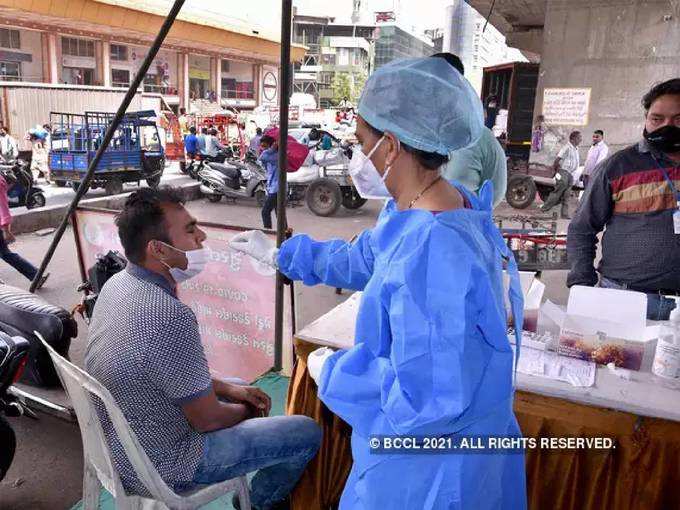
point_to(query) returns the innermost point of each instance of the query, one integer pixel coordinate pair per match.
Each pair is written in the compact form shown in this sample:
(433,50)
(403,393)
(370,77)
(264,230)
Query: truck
(514,86)
(134,154)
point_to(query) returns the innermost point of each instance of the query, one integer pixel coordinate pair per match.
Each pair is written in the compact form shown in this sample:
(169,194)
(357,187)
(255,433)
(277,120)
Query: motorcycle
(234,179)
(13,359)
(192,167)
(22,190)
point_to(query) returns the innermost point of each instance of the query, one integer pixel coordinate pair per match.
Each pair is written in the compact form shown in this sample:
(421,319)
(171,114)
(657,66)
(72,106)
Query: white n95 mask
(196,262)
(365,176)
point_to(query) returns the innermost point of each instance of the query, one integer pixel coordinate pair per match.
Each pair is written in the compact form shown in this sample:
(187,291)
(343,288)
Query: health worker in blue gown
(431,354)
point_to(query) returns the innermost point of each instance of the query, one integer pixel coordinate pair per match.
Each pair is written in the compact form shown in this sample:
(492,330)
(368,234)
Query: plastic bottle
(667,355)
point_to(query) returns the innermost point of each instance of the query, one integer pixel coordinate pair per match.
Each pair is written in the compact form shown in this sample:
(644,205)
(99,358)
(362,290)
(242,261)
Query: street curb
(51,216)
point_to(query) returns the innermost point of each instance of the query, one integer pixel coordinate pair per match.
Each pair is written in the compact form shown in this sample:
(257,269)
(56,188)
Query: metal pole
(281,223)
(165,28)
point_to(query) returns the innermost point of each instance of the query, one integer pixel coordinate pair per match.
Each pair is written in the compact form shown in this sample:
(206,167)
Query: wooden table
(642,415)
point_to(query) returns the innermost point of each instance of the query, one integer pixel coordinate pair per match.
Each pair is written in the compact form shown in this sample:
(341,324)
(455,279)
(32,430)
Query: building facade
(102,44)
(333,50)
(478,47)
(393,43)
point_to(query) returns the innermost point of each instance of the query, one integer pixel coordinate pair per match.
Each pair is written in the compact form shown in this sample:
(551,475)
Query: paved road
(62,196)
(47,473)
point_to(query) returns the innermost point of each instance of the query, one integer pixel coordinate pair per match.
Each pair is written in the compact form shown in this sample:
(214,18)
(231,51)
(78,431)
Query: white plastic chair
(98,465)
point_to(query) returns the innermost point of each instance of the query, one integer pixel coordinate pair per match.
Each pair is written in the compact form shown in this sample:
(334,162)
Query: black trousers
(269,206)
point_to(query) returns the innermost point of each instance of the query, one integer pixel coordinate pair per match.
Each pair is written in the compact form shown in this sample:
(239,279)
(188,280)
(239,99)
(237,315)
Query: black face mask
(665,139)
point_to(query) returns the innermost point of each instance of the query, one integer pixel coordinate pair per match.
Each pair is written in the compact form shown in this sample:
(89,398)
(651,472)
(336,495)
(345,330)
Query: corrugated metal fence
(22,106)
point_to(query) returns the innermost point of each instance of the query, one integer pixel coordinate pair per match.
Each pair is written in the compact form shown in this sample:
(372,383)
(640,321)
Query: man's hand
(9,237)
(252,396)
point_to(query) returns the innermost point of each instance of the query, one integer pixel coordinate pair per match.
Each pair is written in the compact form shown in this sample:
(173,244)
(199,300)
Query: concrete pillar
(257,73)
(99,63)
(217,81)
(183,79)
(52,58)
(106,63)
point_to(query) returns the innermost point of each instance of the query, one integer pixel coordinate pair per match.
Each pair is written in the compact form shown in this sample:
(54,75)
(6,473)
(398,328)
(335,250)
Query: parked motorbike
(22,190)
(234,179)
(13,359)
(192,167)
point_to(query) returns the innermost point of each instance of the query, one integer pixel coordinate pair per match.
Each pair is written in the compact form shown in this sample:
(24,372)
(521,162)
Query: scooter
(234,179)
(22,190)
(13,358)
(192,167)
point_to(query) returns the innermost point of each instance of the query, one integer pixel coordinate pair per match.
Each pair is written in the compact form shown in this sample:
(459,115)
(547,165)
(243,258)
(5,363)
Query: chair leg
(91,488)
(244,493)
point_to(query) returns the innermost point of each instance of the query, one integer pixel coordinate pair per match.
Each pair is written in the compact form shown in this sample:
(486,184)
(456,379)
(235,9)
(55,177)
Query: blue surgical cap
(425,103)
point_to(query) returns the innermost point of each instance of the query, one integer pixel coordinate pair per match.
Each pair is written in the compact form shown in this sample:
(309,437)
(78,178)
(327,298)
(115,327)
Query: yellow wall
(114,16)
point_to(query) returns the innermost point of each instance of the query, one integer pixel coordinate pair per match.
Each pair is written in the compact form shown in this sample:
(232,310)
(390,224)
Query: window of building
(10,38)
(78,76)
(77,47)
(328,59)
(10,71)
(237,80)
(225,66)
(120,78)
(119,52)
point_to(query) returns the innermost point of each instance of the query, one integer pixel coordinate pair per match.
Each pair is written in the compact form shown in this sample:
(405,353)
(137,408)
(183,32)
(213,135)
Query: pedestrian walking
(6,238)
(566,163)
(597,153)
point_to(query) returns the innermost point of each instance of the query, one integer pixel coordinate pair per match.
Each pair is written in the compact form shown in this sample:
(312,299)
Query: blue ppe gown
(431,355)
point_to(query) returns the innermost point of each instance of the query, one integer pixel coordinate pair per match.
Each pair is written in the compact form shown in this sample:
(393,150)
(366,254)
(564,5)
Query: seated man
(145,347)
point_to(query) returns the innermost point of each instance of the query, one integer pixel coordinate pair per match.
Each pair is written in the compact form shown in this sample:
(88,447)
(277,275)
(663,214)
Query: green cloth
(482,161)
(276,386)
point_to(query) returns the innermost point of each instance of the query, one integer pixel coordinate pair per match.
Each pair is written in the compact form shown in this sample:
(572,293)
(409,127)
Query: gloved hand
(258,245)
(315,362)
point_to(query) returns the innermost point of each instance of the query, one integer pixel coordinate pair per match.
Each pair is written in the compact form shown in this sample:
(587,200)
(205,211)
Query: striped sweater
(629,198)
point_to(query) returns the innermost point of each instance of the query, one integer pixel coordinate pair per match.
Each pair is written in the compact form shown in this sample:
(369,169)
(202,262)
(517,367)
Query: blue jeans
(659,307)
(278,448)
(15,260)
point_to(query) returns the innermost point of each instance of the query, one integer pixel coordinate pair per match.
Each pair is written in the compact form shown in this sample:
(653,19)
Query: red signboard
(233,298)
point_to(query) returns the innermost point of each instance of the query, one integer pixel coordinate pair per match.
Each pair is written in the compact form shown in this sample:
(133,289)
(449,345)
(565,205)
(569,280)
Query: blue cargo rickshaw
(134,154)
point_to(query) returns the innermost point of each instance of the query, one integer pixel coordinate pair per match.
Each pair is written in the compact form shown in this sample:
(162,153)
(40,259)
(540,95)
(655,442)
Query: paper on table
(553,366)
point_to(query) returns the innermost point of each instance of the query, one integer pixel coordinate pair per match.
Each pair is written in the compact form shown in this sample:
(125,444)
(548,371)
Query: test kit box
(606,326)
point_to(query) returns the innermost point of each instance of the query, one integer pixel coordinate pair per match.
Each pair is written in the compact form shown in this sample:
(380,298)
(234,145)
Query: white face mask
(365,176)
(196,262)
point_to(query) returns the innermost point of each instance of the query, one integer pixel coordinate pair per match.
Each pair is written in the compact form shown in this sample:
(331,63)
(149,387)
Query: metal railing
(237,94)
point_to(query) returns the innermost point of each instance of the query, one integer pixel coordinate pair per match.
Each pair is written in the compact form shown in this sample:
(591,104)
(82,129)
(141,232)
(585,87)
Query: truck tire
(324,197)
(352,200)
(114,187)
(521,191)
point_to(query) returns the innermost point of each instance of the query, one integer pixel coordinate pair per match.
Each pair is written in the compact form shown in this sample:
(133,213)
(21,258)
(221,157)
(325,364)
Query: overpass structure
(597,59)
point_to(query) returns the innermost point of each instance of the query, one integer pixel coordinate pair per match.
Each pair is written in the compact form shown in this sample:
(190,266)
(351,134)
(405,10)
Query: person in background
(597,153)
(566,163)
(431,355)
(482,161)
(183,122)
(633,196)
(254,146)
(212,144)
(6,238)
(538,134)
(269,159)
(491,111)
(200,141)
(326,142)
(9,150)
(145,347)
(191,144)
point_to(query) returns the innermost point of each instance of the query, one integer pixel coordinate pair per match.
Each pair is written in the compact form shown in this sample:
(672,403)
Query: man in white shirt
(9,150)
(566,163)
(597,153)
